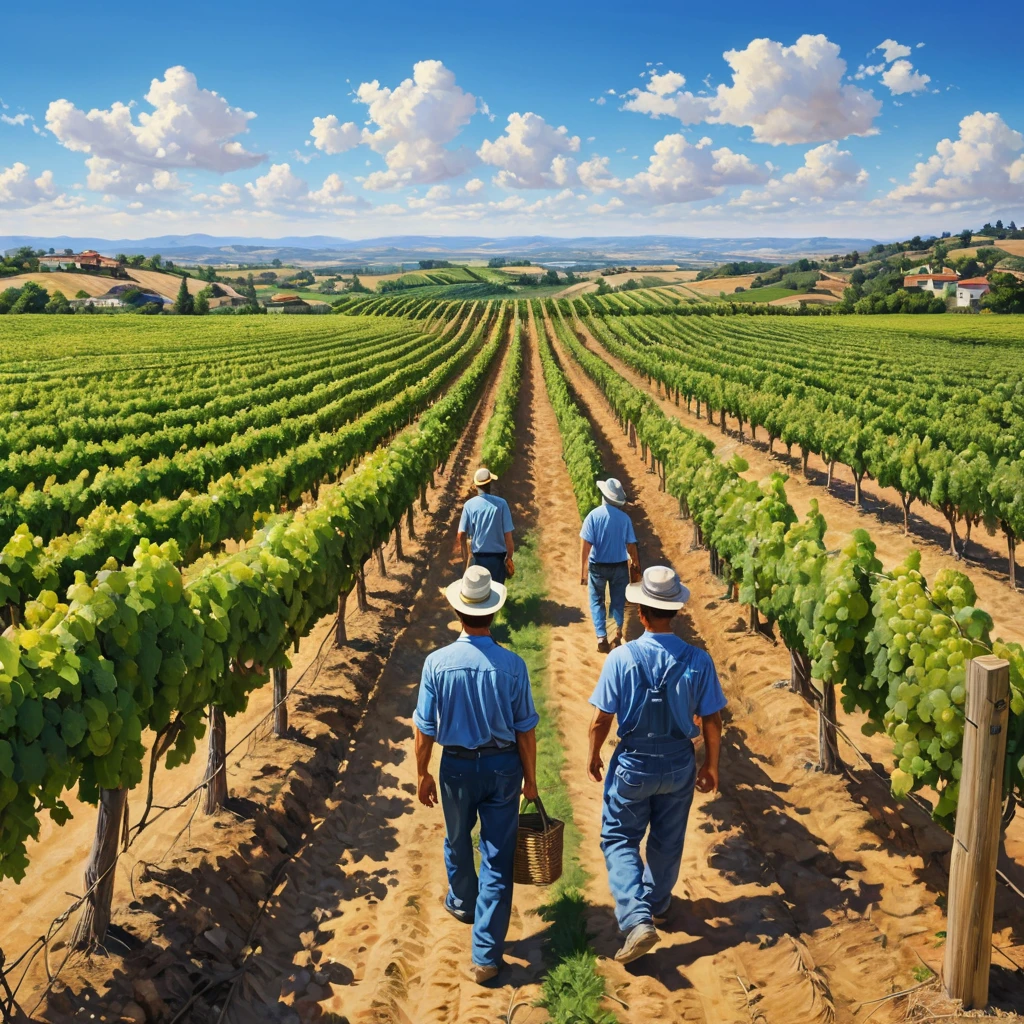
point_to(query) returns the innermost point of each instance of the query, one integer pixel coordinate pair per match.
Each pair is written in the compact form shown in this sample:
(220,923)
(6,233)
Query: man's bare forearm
(527,744)
(599,729)
(510,548)
(585,548)
(464,546)
(634,554)
(712,728)
(424,745)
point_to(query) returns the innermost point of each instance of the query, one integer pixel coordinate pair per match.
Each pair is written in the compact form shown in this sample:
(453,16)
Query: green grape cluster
(842,619)
(921,644)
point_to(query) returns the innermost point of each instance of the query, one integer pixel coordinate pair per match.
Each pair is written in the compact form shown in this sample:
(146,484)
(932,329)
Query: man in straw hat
(654,686)
(487,523)
(475,701)
(608,550)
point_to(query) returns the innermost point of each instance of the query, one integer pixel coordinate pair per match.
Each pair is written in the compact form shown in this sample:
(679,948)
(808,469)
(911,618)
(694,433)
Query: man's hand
(707,780)
(594,769)
(530,789)
(427,790)
(583,581)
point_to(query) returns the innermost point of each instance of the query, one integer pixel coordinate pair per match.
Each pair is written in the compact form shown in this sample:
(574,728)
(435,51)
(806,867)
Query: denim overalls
(649,784)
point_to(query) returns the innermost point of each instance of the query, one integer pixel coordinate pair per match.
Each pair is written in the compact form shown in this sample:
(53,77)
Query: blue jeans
(494,564)
(615,577)
(649,788)
(488,787)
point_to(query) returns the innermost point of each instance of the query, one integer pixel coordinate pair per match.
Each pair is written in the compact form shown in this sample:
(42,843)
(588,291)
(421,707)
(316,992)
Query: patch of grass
(572,989)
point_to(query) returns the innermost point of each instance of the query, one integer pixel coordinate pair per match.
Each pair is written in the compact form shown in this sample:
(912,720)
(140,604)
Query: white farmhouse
(970,290)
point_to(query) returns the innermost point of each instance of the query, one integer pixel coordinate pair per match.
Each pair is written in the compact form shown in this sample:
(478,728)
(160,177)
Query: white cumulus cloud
(984,164)
(16,119)
(281,189)
(531,153)
(892,50)
(331,136)
(828,172)
(415,122)
(681,173)
(188,127)
(474,185)
(785,94)
(902,78)
(18,189)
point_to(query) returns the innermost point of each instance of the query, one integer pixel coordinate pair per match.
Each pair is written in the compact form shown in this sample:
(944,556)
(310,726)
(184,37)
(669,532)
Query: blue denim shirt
(486,518)
(692,682)
(474,693)
(609,530)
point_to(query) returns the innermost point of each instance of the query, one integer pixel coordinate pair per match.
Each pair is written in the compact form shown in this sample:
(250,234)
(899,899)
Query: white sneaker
(639,941)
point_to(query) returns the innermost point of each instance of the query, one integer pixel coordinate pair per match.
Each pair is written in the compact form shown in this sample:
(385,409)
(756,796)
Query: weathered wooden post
(216,767)
(91,929)
(340,633)
(280,702)
(972,873)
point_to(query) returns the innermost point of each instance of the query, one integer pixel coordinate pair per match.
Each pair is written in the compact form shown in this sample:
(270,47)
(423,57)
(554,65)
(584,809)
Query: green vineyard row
(145,646)
(897,648)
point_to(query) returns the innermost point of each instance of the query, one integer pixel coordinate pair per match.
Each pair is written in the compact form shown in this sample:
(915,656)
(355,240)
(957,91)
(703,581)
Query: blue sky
(566,119)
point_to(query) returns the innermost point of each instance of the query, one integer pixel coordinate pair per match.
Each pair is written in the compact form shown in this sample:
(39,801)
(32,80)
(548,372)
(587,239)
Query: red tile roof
(975,282)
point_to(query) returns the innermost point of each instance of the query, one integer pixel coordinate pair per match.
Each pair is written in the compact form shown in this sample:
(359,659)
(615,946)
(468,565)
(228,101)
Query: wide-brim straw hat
(660,587)
(612,490)
(476,593)
(483,476)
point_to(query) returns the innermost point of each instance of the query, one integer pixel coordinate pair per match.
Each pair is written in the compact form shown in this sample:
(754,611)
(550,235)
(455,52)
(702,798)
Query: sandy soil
(580,288)
(668,276)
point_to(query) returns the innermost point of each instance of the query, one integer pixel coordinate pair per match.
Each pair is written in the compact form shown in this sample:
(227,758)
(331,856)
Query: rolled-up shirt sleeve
(606,694)
(630,532)
(587,530)
(464,520)
(425,715)
(506,519)
(708,692)
(524,714)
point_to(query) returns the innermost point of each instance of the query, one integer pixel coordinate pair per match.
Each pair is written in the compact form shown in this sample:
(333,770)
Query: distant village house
(282,303)
(970,291)
(89,261)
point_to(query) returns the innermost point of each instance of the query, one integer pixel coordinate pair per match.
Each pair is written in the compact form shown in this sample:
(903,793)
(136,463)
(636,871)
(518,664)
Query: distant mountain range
(394,249)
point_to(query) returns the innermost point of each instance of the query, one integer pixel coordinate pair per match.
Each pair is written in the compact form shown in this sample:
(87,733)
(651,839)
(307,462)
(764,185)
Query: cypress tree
(184,304)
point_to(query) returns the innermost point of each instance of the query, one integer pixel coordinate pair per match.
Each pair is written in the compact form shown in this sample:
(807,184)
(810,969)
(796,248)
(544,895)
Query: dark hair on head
(476,621)
(486,488)
(658,613)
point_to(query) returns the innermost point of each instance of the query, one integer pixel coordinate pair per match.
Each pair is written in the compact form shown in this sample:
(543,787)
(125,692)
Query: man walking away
(487,521)
(608,549)
(475,701)
(654,686)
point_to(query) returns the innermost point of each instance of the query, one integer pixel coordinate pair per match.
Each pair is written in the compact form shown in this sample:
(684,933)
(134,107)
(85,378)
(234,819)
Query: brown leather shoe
(602,645)
(482,973)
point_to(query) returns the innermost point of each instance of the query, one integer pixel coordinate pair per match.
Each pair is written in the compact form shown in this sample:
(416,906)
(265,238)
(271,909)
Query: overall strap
(655,713)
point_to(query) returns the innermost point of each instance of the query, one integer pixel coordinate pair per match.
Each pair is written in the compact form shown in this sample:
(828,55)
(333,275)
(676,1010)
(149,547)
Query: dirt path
(881,515)
(801,900)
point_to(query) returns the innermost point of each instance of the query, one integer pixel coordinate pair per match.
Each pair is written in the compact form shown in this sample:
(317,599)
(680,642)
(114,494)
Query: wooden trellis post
(91,929)
(216,767)
(280,705)
(972,872)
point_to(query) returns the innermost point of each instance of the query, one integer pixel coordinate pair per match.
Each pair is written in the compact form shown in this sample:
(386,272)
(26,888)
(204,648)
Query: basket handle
(545,822)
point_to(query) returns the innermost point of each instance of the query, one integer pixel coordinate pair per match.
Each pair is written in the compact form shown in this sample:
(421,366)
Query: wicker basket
(538,848)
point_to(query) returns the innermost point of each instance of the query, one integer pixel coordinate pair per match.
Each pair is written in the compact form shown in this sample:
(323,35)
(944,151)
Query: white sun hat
(476,593)
(659,588)
(483,476)
(612,490)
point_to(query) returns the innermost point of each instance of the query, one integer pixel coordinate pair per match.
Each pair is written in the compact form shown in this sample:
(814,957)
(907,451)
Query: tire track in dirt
(782,870)
(994,593)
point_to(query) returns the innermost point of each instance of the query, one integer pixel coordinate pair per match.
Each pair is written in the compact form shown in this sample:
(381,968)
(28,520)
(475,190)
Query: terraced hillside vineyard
(185,503)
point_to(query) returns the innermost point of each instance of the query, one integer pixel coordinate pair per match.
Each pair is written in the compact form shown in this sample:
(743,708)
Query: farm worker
(653,686)
(487,523)
(607,551)
(475,701)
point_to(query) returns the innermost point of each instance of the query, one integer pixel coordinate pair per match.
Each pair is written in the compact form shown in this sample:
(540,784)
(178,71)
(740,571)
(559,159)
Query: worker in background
(475,700)
(608,551)
(653,686)
(485,529)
